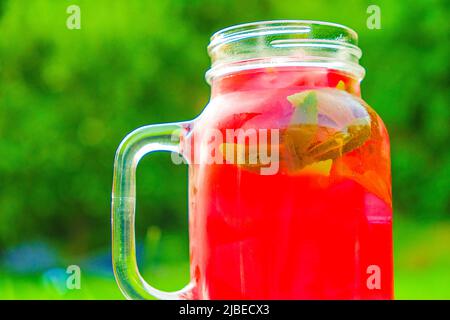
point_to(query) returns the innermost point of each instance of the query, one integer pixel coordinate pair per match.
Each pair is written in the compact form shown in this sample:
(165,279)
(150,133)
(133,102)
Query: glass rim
(284,42)
(249,29)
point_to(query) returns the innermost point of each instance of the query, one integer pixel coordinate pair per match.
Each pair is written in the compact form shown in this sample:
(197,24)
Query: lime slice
(321,167)
(341,85)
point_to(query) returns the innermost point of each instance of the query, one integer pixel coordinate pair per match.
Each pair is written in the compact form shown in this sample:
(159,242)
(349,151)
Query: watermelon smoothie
(320,227)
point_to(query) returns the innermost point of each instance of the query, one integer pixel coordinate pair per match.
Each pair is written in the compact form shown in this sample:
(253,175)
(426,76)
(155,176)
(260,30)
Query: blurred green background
(67,98)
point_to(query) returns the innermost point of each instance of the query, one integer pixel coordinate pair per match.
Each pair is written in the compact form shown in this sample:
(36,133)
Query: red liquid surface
(301,234)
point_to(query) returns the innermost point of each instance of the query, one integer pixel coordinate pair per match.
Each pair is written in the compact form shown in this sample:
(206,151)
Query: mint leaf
(306,111)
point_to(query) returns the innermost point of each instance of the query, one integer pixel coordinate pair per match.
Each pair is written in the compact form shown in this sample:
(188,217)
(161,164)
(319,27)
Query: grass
(422,260)
(422,270)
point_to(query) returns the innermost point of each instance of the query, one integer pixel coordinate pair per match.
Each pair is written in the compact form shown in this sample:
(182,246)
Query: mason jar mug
(289,173)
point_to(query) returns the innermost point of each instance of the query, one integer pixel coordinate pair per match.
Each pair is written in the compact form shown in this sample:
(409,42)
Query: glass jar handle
(161,137)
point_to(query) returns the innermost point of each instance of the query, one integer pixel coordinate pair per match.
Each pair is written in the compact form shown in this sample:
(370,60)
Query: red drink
(318,228)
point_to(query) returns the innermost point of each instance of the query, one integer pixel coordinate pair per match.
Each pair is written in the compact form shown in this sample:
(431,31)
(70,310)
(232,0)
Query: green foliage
(68,97)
